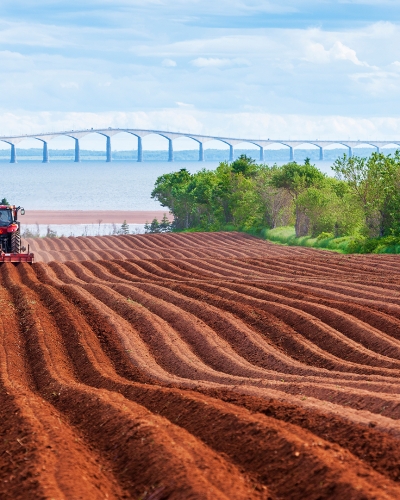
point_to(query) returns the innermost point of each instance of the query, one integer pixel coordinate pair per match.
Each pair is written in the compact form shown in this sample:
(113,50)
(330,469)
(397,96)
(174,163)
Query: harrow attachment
(16,257)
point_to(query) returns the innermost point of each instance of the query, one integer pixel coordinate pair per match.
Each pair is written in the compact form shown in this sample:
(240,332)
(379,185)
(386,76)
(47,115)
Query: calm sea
(91,185)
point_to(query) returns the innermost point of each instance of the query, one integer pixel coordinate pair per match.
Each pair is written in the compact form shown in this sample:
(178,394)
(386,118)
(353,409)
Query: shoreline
(49,217)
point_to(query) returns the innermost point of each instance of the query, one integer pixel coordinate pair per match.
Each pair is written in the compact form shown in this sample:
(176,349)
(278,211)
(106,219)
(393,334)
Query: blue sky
(250,68)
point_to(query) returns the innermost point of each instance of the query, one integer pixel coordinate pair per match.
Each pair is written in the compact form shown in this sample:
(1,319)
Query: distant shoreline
(91,216)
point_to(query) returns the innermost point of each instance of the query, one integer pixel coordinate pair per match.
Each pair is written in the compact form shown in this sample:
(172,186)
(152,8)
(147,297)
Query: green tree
(207,211)
(295,179)
(374,182)
(275,204)
(4,202)
(329,209)
(155,226)
(171,190)
(244,165)
(147,227)
(165,224)
(124,228)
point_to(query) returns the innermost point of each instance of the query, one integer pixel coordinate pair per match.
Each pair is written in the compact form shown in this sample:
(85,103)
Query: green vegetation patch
(287,236)
(357,211)
(344,244)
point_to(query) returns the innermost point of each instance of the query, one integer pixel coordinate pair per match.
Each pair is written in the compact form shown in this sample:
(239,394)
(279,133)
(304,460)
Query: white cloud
(396,65)
(184,105)
(381,30)
(41,35)
(123,79)
(69,85)
(281,45)
(344,53)
(203,62)
(378,83)
(181,52)
(214,47)
(316,52)
(168,63)
(215,62)
(234,7)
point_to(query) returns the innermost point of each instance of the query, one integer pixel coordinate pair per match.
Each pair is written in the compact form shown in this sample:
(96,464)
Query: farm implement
(10,236)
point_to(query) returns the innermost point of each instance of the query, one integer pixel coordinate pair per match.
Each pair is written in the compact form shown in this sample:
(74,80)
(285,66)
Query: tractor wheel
(16,242)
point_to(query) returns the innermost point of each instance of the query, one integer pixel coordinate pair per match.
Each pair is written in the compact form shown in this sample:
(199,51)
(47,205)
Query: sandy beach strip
(91,216)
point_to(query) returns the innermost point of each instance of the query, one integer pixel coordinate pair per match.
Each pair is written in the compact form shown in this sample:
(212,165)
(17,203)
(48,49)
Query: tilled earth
(198,366)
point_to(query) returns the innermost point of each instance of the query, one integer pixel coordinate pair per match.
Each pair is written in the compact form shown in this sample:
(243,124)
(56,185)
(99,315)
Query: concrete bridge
(108,133)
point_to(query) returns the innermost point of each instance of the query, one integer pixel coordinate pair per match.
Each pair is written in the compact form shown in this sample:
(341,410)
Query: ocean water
(92,185)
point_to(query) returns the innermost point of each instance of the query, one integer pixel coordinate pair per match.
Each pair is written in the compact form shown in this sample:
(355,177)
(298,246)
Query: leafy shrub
(324,236)
(51,233)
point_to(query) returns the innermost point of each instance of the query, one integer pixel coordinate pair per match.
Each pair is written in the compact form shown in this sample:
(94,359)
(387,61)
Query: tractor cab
(9,214)
(6,216)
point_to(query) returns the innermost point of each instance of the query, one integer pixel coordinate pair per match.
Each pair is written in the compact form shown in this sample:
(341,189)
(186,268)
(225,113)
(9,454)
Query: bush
(27,233)
(287,236)
(325,236)
(51,233)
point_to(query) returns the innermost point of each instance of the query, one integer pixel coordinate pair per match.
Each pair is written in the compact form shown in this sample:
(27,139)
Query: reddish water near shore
(90,216)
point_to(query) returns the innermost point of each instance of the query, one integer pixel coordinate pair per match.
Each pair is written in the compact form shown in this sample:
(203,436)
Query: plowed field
(198,366)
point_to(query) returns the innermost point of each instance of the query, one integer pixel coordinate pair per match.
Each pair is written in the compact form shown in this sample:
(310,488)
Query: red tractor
(10,236)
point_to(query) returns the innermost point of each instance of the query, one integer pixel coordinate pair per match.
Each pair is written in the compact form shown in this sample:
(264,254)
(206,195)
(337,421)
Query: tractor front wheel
(16,242)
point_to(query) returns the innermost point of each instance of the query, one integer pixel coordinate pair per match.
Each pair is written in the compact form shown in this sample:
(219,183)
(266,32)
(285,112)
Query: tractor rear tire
(16,242)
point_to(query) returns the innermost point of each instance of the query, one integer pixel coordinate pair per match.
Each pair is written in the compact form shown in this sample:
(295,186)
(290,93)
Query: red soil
(198,366)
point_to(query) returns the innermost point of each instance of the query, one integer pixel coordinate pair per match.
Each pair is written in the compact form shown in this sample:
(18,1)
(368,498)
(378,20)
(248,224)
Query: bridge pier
(139,149)
(350,152)
(291,158)
(261,153)
(170,150)
(230,152)
(378,149)
(77,152)
(201,152)
(45,153)
(13,154)
(321,153)
(108,151)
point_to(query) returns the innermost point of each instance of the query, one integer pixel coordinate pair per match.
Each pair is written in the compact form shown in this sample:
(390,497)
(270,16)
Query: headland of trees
(355,211)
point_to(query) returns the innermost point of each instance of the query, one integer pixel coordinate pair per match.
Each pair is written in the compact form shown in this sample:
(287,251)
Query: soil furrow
(141,447)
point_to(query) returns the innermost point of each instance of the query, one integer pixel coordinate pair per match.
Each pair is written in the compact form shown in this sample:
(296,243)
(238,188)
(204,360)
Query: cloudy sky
(251,68)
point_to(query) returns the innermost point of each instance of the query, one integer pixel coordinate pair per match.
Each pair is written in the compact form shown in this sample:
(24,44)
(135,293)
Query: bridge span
(108,133)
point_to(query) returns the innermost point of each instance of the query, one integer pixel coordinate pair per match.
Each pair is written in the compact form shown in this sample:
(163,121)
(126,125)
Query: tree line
(363,197)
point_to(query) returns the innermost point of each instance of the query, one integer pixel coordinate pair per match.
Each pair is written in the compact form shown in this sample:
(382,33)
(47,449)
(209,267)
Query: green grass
(345,244)
(287,236)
